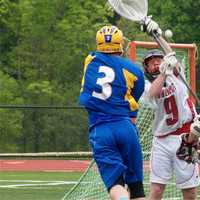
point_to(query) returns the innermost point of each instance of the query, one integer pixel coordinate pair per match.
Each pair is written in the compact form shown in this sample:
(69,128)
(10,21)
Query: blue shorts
(117,151)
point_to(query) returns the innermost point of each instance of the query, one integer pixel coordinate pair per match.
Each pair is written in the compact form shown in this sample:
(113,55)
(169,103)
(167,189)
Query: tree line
(42,47)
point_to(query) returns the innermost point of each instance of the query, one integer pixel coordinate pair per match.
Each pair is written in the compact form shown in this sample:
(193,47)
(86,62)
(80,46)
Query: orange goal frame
(191,49)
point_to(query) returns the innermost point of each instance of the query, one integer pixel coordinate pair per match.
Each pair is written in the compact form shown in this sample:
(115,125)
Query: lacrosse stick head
(109,39)
(134,10)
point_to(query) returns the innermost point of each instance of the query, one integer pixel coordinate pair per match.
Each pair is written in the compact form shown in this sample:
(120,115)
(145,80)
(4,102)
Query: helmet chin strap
(151,76)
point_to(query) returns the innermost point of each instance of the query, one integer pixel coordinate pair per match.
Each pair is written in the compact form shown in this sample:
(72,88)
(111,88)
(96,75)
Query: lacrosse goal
(90,186)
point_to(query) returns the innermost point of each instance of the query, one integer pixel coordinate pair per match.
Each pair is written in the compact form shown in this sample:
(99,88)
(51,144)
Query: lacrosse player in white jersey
(176,125)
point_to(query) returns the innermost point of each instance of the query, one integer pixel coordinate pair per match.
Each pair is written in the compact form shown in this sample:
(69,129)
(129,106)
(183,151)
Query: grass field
(52,185)
(36,185)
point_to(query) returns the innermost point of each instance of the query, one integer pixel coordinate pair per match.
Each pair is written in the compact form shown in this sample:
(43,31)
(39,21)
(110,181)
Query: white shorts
(164,163)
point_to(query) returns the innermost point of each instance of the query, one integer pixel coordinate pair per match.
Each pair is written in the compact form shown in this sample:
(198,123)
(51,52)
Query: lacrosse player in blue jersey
(111,88)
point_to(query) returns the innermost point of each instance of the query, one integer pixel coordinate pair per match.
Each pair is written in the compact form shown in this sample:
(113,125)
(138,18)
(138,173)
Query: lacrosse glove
(195,126)
(187,151)
(148,25)
(168,64)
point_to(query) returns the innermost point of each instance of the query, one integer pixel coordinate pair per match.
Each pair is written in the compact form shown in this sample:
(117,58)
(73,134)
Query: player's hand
(150,26)
(168,64)
(165,69)
(195,126)
(170,58)
(188,151)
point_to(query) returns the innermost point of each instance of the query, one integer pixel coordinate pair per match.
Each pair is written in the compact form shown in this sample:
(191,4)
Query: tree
(10,121)
(10,26)
(52,44)
(42,47)
(182,18)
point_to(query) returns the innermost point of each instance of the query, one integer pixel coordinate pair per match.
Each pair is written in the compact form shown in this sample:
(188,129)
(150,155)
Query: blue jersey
(111,87)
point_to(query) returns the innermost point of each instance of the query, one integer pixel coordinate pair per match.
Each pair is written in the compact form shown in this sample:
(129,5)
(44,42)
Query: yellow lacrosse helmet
(109,39)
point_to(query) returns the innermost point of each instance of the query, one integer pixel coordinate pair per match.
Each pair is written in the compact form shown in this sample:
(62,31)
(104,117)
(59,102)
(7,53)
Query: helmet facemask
(152,54)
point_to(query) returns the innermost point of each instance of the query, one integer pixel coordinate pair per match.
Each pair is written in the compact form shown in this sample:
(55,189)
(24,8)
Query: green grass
(35,185)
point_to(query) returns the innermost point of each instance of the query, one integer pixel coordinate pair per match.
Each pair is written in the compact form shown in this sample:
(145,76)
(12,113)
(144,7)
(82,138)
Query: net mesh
(91,187)
(133,10)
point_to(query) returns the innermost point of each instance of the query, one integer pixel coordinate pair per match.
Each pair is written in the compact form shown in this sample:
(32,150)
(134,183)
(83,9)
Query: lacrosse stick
(136,10)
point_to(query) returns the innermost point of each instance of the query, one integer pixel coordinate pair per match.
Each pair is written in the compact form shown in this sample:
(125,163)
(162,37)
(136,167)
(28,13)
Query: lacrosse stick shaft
(162,43)
(136,10)
(190,90)
(167,49)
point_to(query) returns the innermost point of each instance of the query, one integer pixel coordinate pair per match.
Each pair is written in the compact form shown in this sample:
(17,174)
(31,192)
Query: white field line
(35,181)
(30,183)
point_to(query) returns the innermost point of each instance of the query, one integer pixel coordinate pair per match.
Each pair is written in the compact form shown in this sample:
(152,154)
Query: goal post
(185,53)
(90,185)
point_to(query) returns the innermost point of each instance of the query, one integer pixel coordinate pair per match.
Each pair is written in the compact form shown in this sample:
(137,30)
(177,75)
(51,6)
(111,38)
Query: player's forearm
(157,86)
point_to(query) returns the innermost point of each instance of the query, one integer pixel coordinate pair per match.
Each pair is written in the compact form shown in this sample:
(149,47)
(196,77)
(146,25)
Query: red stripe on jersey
(184,129)
(191,106)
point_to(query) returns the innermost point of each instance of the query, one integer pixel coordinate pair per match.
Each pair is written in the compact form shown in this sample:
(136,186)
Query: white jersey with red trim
(172,109)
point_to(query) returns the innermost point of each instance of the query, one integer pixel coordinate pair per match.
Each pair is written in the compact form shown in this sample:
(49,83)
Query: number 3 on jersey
(104,82)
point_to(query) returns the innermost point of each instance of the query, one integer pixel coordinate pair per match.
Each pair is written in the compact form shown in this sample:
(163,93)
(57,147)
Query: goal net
(90,185)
